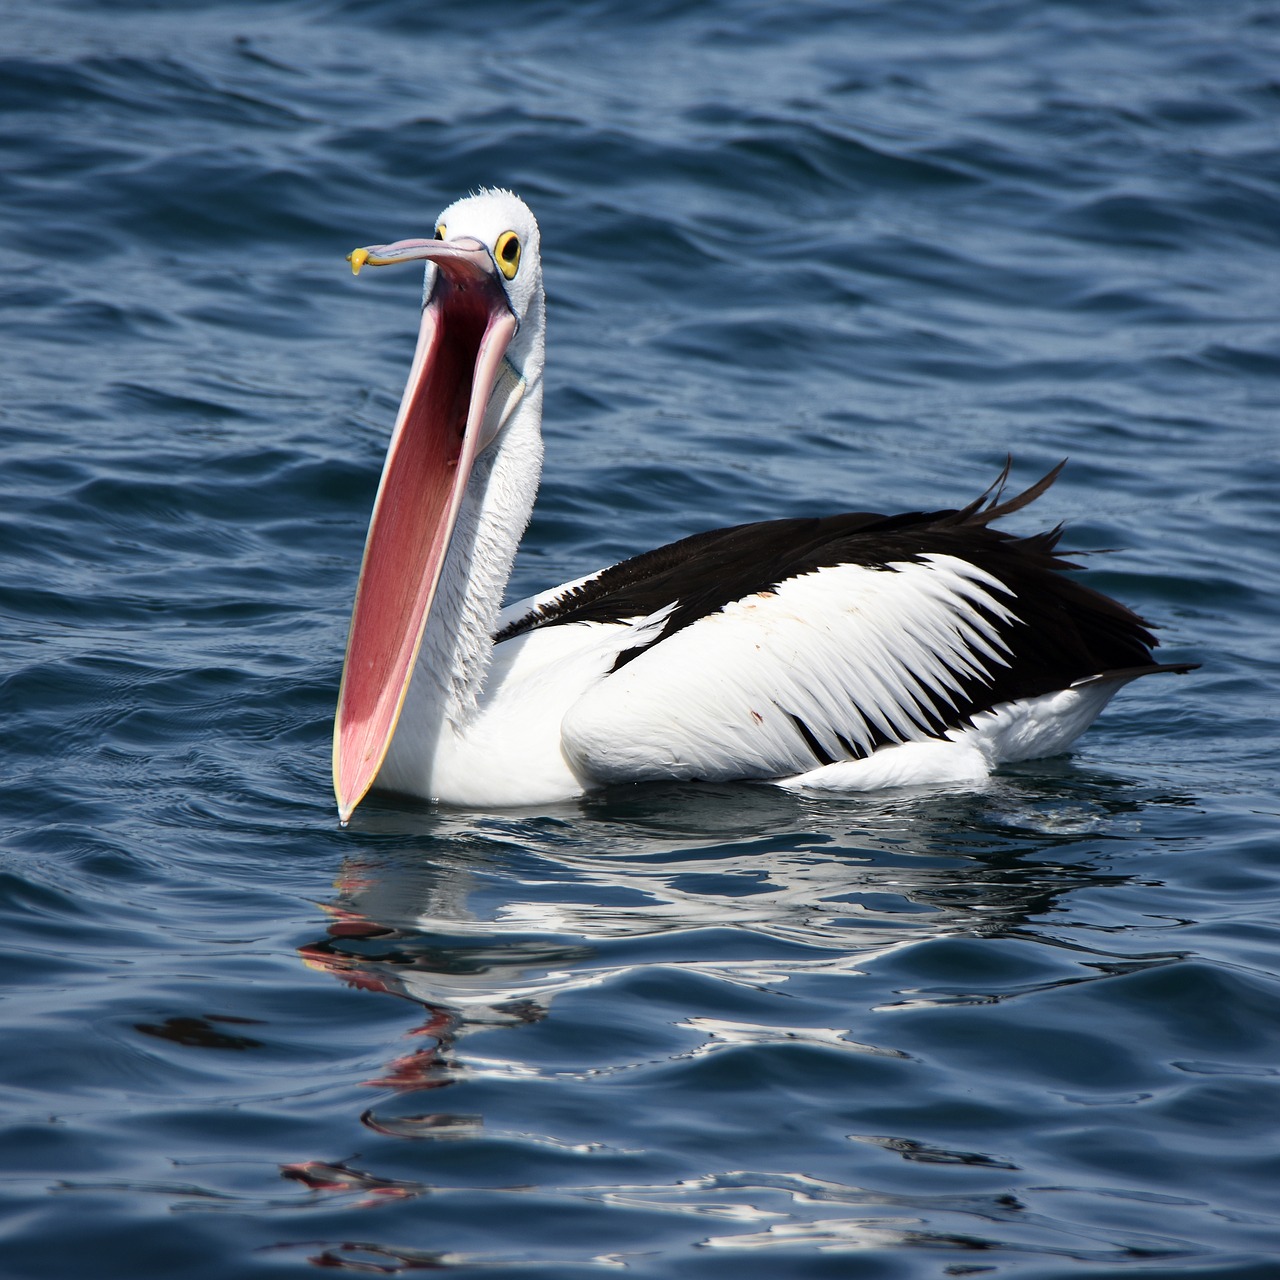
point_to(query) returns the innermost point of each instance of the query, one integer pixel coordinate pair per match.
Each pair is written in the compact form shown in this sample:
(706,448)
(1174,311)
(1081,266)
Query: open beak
(460,392)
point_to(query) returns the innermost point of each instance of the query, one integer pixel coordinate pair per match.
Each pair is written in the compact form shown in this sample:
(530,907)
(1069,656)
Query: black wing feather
(1063,632)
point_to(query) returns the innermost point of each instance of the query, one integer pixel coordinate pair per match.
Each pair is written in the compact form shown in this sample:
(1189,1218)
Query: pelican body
(841,653)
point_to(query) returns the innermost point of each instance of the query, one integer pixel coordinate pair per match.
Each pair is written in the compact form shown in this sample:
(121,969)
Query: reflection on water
(669,863)
(483,923)
(815,887)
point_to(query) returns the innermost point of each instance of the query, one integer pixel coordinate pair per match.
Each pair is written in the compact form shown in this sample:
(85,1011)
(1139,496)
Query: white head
(506,227)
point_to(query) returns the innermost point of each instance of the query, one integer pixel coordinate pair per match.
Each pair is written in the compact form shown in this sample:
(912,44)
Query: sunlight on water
(803,258)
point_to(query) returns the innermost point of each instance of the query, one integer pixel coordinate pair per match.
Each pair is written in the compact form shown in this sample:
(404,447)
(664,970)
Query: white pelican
(843,653)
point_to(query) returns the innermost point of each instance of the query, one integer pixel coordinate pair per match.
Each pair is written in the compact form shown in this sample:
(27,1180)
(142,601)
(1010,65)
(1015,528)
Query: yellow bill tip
(357,258)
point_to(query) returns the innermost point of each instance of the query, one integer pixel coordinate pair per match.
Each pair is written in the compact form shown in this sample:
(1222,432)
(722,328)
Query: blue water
(800,257)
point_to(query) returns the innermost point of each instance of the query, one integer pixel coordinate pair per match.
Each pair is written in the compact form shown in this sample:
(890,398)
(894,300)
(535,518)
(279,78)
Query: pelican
(841,653)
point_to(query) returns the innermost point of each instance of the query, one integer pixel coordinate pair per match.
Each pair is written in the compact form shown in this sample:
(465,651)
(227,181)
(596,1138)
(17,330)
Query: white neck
(453,662)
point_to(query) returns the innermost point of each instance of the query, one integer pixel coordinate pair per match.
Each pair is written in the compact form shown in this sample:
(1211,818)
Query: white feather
(519,610)
(848,650)
(1027,729)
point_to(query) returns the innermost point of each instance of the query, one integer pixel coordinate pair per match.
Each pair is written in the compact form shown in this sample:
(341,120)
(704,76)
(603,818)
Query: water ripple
(800,258)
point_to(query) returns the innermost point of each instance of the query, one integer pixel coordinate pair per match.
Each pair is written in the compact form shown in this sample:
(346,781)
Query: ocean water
(800,257)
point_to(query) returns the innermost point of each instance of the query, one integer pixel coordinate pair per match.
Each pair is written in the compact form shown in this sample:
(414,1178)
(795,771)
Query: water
(799,258)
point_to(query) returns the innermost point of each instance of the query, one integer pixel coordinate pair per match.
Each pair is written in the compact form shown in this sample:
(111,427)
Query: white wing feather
(852,652)
(519,610)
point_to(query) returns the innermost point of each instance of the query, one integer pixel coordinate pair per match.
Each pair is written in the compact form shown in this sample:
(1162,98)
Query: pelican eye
(440,231)
(507,254)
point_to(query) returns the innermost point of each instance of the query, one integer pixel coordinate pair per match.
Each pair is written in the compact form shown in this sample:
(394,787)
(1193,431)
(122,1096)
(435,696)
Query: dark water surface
(800,257)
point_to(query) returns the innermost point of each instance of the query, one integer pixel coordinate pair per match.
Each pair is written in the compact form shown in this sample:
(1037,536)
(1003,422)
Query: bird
(830,653)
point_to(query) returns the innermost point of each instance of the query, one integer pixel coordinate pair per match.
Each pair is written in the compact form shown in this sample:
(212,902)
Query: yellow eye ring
(440,231)
(506,253)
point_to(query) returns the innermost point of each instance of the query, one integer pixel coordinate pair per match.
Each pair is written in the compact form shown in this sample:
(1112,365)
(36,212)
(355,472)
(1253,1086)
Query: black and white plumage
(848,652)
